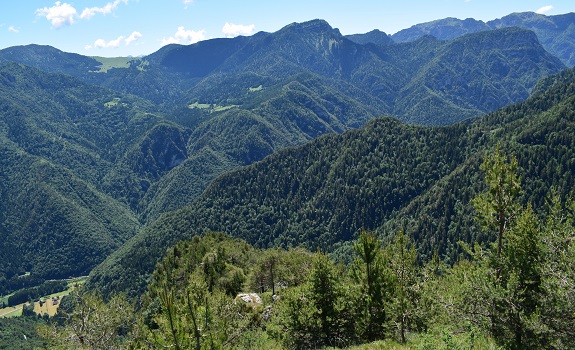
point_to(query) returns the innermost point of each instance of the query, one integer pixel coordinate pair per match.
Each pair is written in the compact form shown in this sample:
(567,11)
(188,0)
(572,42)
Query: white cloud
(231,30)
(187,2)
(63,14)
(133,37)
(60,15)
(112,44)
(88,47)
(544,9)
(184,36)
(13,29)
(107,9)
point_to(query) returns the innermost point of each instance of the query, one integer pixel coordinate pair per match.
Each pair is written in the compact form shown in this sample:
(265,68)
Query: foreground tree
(369,272)
(497,206)
(554,322)
(91,323)
(406,294)
(511,279)
(521,279)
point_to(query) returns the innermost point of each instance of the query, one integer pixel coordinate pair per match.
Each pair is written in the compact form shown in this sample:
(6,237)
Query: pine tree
(369,271)
(497,207)
(404,270)
(325,293)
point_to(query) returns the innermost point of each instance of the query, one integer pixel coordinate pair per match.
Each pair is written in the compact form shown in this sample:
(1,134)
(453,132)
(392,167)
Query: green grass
(210,107)
(199,105)
(254,89)
(16,310)
(382,345)
(16,313)
(223,108)
(115,62)
(114,102)
(4,299)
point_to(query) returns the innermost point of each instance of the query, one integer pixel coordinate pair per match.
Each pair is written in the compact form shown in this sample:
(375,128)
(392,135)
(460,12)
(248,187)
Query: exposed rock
(249,298)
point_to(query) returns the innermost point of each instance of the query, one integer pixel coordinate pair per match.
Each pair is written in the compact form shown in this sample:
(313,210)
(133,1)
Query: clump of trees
(515,293)
(32,293)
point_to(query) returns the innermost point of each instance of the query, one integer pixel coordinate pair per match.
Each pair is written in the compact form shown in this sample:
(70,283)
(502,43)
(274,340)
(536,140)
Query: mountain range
(555,33)
(98,152)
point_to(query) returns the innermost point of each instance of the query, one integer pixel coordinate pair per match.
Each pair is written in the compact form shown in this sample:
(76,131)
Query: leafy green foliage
(90,323)
(487,302)
(124,164)
(20,333)
(386,177)
(33,293)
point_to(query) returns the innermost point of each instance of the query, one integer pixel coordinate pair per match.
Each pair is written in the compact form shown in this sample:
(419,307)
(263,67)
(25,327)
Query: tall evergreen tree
(524,260)
(325,293)
(404,271)
(369,271)
(497,206)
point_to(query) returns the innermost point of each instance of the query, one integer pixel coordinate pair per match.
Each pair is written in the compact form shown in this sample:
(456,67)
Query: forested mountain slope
(540,132)
(63,146)
(306,80)
(238,100)
(321,194)
(556,33)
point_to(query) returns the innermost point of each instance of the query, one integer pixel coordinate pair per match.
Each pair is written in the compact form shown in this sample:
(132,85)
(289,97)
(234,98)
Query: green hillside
(61,142)
(381,177)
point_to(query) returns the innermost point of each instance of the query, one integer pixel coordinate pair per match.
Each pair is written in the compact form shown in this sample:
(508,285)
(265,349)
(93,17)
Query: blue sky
(138,27)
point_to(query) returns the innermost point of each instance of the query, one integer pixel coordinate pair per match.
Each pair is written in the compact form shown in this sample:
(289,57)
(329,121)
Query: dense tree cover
(33,293)
(315,195)
(419,82)
(20,332)
(56,146)
(514,293)
(386,177)
(84,166)
(540,135)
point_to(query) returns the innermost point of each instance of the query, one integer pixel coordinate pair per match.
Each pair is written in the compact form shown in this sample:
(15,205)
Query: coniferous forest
(294,190)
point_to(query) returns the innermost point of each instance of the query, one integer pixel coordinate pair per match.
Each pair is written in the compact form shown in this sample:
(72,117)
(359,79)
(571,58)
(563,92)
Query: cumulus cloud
(64,14)
(231,30)
(107,9)
(112,44)
(60,15)
(544,9)
(13,29)
(184,36)
(133,37)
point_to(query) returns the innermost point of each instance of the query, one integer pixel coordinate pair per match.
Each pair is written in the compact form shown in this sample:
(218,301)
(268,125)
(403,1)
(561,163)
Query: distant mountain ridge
(376,37)
(556,33)
(221,71)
